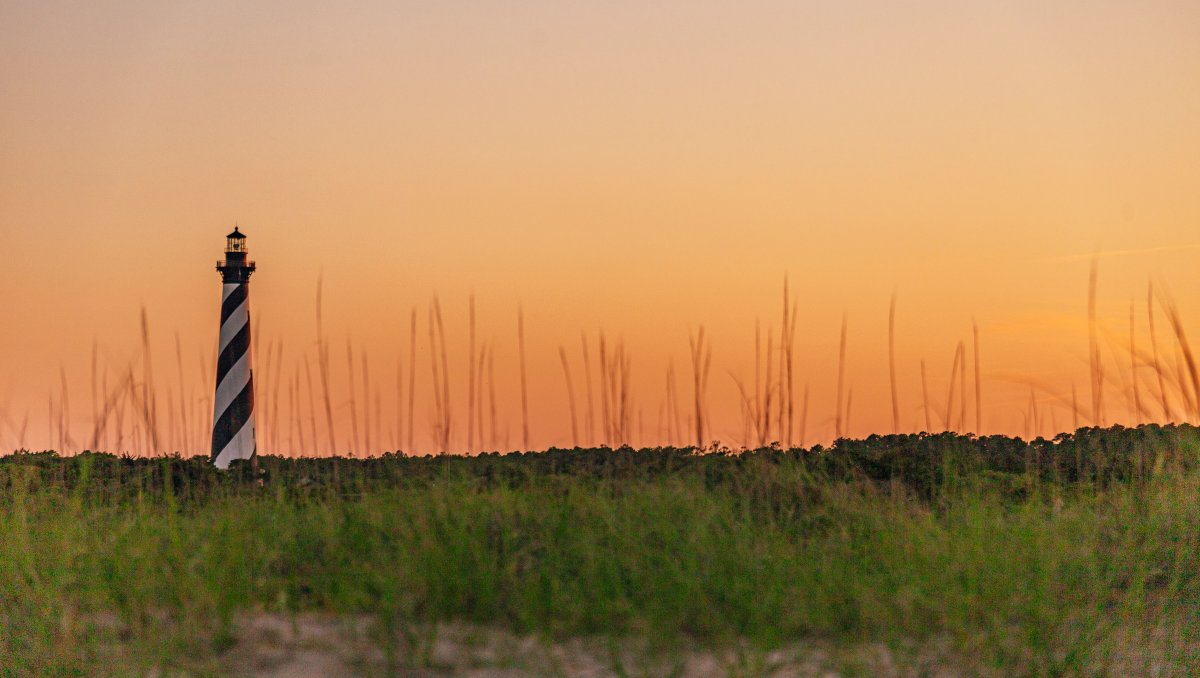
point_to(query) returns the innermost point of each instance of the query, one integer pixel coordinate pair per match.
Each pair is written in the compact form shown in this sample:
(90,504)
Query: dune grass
(1045,559)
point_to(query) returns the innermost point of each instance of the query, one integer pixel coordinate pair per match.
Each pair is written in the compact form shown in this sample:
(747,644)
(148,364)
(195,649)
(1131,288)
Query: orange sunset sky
(641,168)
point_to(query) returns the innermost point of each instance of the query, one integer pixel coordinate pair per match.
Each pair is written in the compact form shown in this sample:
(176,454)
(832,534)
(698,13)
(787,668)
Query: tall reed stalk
(562,354)
(471,375)
(837,409)
(1133,366)
(524,384)
(701,352)
(925,397)
(323,369)
(1095,360)
(355,440)
(1158,369)
(978,381)
(587,375)
(892,364)
(412,377)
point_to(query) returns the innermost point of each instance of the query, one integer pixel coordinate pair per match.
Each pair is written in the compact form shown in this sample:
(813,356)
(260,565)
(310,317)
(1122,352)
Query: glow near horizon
(641,169)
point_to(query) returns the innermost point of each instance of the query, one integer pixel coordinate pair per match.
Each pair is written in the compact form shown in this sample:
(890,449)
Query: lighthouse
(233,405)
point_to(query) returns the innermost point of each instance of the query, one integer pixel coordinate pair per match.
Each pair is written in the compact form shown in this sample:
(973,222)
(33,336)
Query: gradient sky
(641,168)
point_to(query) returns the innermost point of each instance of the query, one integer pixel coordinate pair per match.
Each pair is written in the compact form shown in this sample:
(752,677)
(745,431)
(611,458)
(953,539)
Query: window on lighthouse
(236,243)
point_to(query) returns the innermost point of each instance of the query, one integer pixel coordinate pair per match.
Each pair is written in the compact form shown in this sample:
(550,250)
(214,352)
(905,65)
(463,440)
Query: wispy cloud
(1106,254)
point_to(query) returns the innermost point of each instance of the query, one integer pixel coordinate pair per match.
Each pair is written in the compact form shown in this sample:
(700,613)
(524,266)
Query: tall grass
(524,384)
(978,380)
(1016,559)
(1158,370)
(701,352)
(566,366)
(841,381)
(892,365)
(1155,375)
(1096,363)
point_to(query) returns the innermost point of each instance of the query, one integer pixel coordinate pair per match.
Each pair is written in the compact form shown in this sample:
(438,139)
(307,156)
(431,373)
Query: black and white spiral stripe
(233,407)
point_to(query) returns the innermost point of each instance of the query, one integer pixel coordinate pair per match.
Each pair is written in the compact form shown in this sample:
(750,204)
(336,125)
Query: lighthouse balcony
(227,263)
(245,267)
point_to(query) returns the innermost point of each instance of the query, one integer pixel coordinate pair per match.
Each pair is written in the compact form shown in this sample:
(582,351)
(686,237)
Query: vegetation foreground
(1079,555)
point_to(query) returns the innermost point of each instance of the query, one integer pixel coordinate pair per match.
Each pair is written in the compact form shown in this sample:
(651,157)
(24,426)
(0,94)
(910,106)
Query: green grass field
(1066,557)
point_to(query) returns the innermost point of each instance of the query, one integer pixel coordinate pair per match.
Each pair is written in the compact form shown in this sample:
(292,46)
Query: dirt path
(311,646)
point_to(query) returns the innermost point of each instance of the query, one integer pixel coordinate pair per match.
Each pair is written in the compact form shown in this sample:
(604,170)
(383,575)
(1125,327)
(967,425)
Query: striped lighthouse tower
(233,406)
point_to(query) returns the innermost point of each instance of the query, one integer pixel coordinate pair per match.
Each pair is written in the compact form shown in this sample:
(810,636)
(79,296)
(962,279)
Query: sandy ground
(309,646)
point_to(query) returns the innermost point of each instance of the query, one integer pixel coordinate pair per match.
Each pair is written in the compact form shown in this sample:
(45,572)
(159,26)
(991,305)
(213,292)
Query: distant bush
(924,464)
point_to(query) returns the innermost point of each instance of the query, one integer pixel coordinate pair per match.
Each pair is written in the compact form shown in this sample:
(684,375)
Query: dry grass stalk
(962,387)
(1074,407)
(183,408)
(524,385)
(366,404)
(562,354)
(491,363)
(892,364)
(681,434)
(447,411)
(768,390)
(669,407)
(291,446)
(276,395)
(261,385)
(605,414)
(149,402)
(312,404)
(1187,403)
(615,392)
(1137,394)
(471,375)
(804,417)
(24,430)
(626,392)
(587,374)
(66,442)
(749,417)
(1095,361)
(1037,417)
(378,416)
(925,396)
(437,382)
(1158,369)
(412,377)
(757,402)
(94,383)
(849,407)
(398,436)
(1030,415)
(353,402)
(133,404)
(790,333)
(663,434)
(954,367)
(255,368)
(483,354)
(323,370)
(838,430)
(205,416)
(1189,384)
(441,377)
(978,381)
(299,406)
(701,365)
